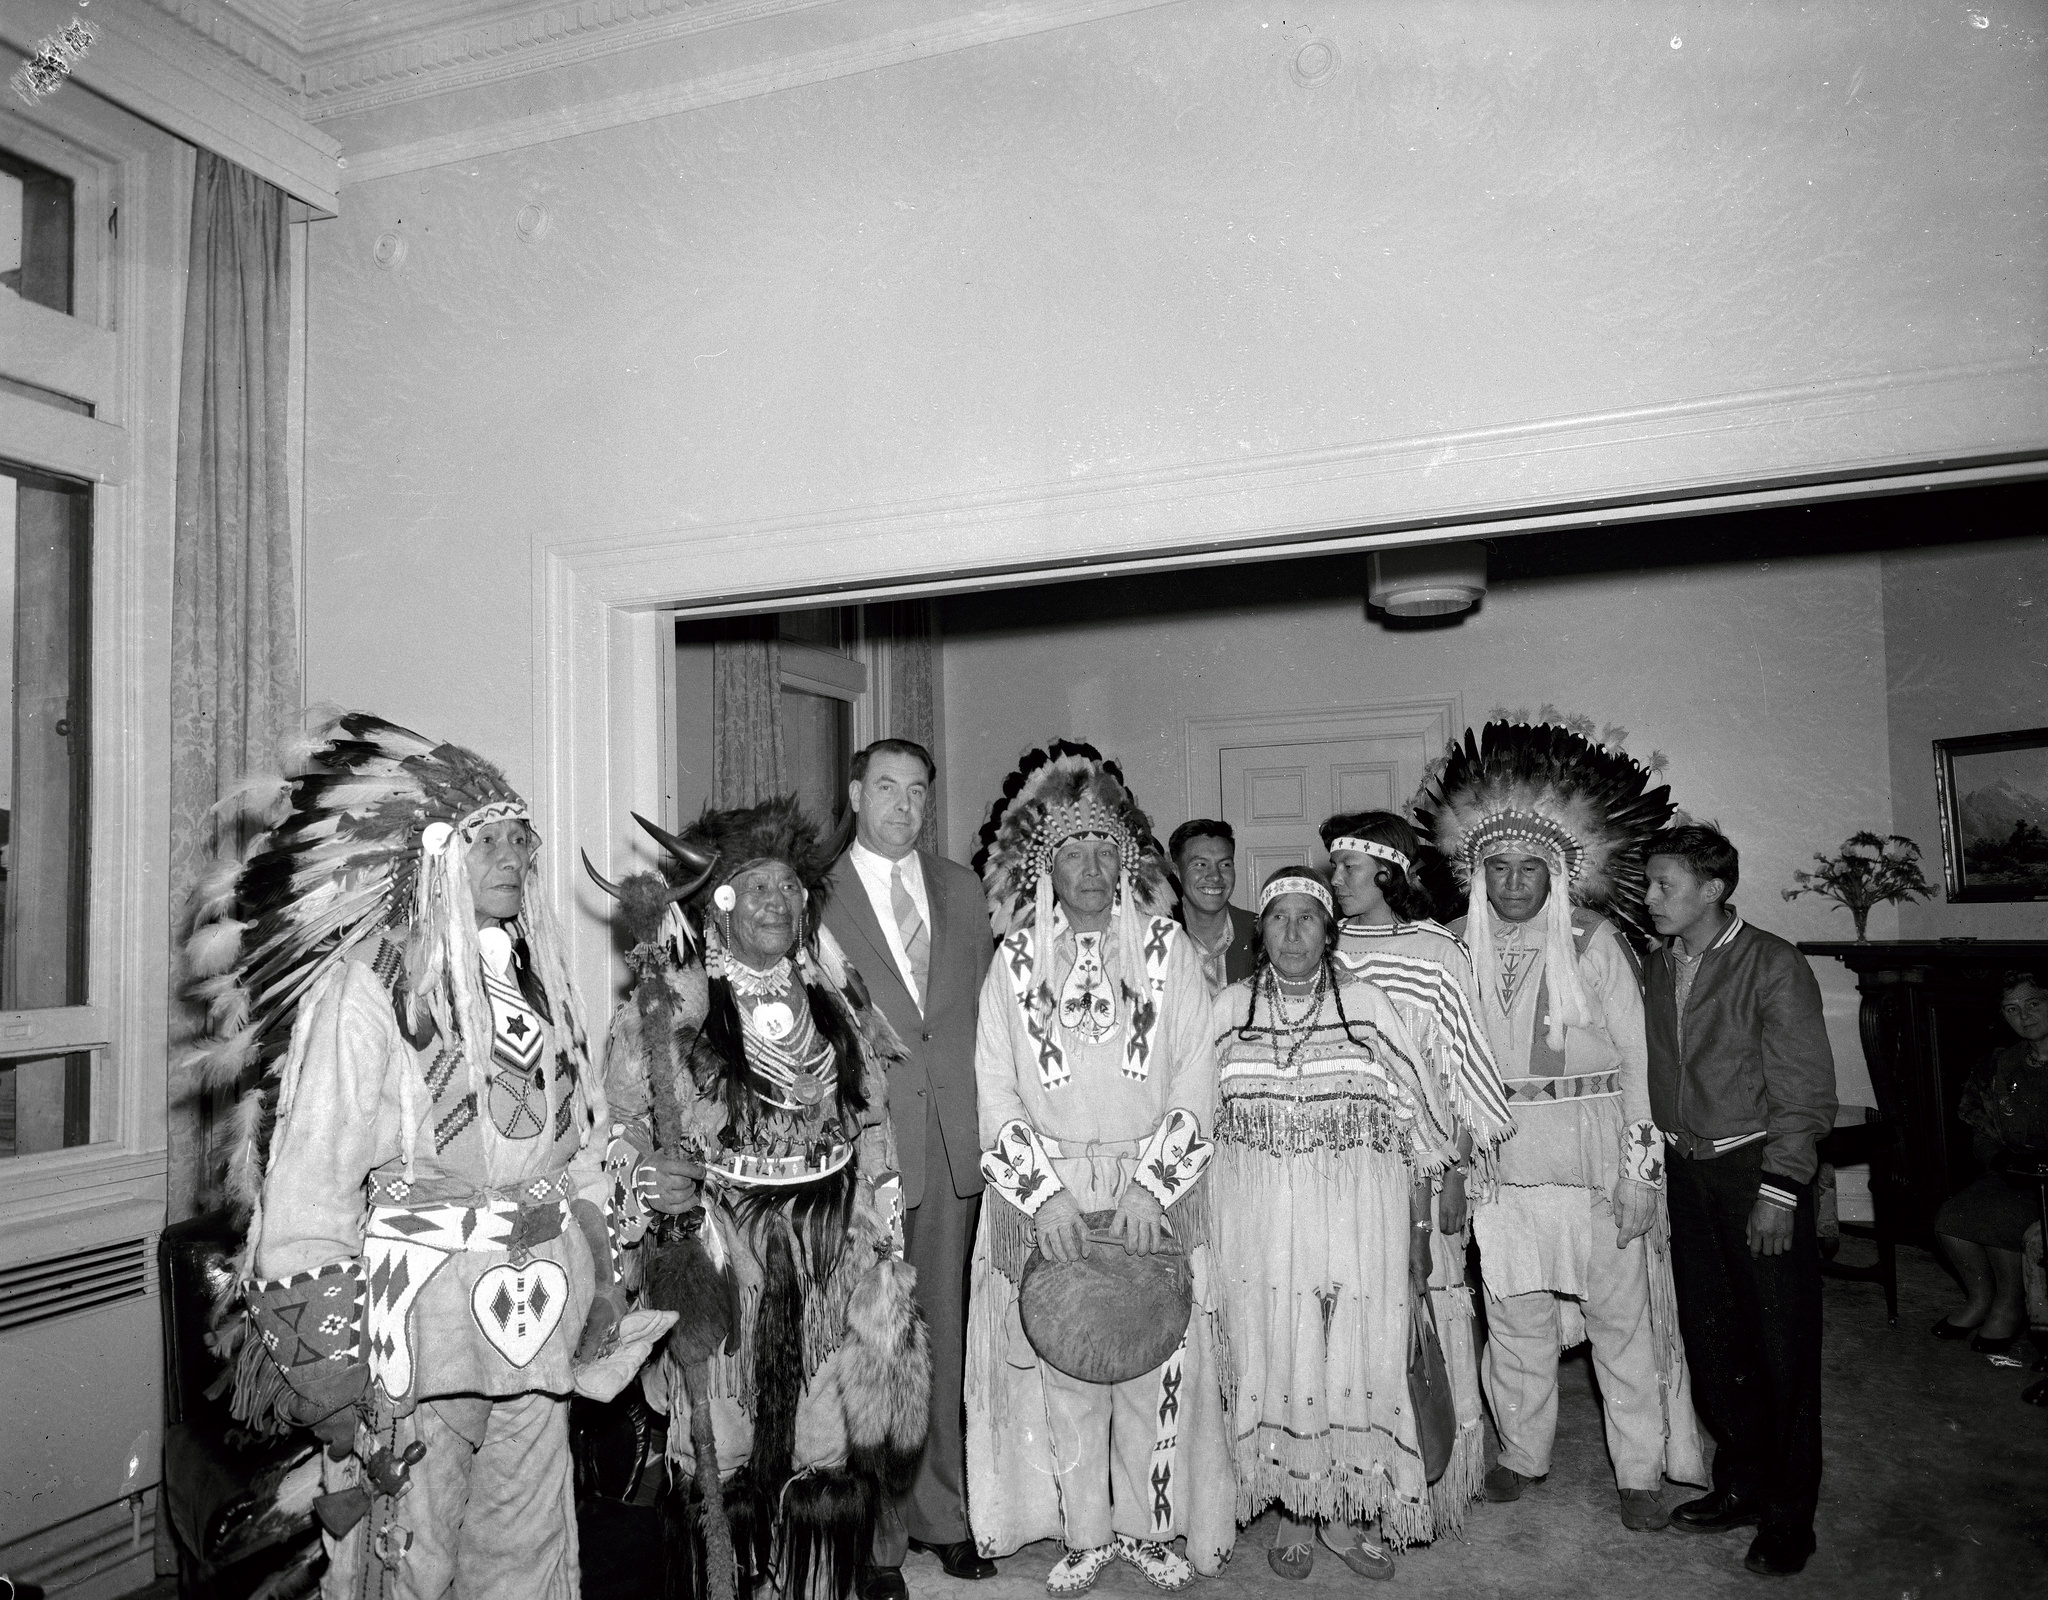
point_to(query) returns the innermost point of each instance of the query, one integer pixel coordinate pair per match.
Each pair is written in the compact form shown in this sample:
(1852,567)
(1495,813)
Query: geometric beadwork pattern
(396,1270)
(311,1316)
(1166,1441)
(1582,1086)
(449,1126)
(518,1090)
(518,1307)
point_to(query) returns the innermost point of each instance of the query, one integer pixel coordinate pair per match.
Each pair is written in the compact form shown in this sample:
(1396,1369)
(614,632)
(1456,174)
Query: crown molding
(164,69)
(320,63)
(510,43)
(866,50)
(261,34)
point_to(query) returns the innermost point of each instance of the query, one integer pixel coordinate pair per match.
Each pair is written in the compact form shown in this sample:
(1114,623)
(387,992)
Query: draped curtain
(912,712)
(235,691)
(746,719)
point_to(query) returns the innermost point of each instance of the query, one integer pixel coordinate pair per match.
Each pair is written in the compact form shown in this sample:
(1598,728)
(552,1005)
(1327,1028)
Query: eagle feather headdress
(1549,790)
(1063,791)
(363,857)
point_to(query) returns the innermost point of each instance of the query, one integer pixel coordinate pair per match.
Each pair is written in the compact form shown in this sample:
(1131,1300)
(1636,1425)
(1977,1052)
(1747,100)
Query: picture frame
(1993,794)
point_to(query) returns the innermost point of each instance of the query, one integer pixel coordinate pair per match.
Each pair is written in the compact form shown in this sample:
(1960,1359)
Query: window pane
(826,628)
(35,233)
(817,744)
(45,740)
(45,1103)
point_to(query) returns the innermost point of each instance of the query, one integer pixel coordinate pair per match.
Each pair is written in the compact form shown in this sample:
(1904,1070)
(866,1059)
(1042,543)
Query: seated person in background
(1226,937)
(2005,1103)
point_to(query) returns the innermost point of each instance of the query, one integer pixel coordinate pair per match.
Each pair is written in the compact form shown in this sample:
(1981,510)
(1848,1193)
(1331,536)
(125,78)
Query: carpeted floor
(1937,1484)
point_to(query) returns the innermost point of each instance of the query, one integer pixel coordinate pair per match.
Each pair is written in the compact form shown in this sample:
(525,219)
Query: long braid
(1259,964)
(1337,994)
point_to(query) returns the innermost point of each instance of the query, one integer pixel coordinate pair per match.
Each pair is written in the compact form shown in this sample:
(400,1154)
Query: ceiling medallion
(1314,63)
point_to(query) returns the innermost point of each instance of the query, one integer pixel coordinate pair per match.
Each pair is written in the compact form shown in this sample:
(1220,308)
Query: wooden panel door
(1275,775)
(1276,795)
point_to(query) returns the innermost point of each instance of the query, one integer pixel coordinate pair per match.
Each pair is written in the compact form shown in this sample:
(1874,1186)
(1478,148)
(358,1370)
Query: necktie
(917,943)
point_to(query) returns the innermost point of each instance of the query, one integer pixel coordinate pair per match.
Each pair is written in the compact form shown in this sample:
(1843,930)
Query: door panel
(1276,795)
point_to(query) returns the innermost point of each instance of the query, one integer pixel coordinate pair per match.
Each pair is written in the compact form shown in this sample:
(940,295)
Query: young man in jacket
(1742,1084)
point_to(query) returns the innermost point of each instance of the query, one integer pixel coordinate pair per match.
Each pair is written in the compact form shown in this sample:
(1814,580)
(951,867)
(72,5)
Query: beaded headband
(495,811)
(1370,847)
(1074,819)
(1539,834)
(1296,884)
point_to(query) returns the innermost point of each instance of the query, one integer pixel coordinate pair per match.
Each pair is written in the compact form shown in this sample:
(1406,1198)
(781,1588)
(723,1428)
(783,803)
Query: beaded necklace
(1297,1029)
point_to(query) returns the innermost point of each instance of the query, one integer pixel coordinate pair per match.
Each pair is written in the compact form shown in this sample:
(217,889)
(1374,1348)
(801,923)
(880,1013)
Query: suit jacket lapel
(940,928)
(880,967)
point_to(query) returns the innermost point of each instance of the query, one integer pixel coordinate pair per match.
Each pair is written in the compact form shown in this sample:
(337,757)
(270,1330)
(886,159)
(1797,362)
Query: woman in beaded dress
(1327,1133)
(1389,939)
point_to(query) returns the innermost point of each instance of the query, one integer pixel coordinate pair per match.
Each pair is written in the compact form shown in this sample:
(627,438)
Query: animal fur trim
(885,1380)
(828,1526)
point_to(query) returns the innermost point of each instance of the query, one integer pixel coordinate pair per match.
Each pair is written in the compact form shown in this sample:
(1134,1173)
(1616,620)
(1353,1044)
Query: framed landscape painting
(1994,815)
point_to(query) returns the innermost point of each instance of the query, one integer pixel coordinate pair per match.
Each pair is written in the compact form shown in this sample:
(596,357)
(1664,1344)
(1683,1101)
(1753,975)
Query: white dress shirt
(875,874)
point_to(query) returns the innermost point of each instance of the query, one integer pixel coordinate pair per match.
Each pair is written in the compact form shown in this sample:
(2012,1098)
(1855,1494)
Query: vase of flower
(1869,870)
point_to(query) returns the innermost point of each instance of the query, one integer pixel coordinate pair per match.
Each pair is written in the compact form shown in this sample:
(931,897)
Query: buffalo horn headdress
(363,856)
(1551,791)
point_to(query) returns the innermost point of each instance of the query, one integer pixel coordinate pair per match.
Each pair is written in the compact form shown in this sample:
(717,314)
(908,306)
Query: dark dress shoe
(1779,1552)
(1945,1329)
(1993,1347)
(960,1558)
(881,1583)
(1713,1512)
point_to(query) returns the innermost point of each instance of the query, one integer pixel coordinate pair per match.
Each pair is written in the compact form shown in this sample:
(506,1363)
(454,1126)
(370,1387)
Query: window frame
(118,350)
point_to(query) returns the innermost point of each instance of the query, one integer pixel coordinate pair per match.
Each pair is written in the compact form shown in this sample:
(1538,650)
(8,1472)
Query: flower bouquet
(1870,870)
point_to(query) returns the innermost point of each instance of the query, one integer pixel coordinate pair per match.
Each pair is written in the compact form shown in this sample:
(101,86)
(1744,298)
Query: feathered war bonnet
(1547,789)
(1067,790)
(364,855)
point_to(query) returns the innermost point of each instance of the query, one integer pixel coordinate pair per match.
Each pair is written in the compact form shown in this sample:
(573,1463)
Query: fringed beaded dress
(1325,1121)
(1424,969)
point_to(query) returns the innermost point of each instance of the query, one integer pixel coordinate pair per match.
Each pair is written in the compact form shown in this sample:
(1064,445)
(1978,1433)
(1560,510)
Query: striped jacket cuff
(1780,1191)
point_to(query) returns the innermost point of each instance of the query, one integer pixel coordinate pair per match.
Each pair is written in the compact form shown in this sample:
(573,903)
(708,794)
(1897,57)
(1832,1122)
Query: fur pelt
(774,830)
(828,1525)
(885,1381)
(778,1363)
(683,1546)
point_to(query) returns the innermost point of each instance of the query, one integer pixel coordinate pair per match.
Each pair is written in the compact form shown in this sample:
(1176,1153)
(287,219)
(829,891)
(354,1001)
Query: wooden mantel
(1929,1015)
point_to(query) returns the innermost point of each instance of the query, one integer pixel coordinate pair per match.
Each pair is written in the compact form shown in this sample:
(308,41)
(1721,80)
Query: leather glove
(1141,1220)
(1062,1235)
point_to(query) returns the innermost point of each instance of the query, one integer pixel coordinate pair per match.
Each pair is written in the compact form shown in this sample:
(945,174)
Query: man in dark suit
(917,928)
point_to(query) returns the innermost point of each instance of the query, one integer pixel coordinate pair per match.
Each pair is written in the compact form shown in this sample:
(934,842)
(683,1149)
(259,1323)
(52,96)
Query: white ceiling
(333,56)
